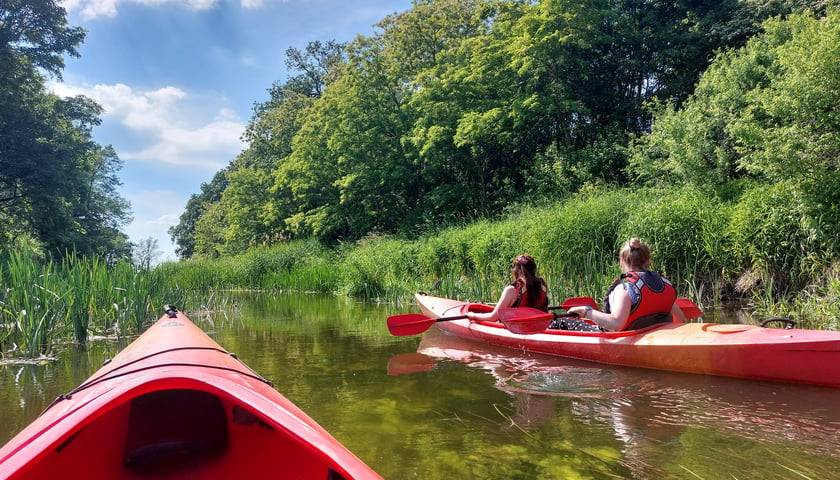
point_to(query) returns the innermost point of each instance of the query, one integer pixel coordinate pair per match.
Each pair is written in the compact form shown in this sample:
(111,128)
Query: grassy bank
(764,251)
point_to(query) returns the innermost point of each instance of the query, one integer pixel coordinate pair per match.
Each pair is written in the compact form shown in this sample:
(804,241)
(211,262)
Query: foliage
(778,240)
(37,30)
(688,235)
(456,110)
(56,185)
(764,112)
(792,129)
(184,233)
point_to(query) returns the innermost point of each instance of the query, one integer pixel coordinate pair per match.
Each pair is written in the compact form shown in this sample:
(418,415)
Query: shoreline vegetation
(759,254)
(392,164)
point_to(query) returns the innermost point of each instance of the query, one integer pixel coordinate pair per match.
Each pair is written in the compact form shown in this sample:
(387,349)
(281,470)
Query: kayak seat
(173,429)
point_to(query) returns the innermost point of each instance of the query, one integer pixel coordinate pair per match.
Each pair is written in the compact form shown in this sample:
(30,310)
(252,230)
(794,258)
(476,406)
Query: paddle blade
(409,324)
(689,308)
(579,302)
(525,321)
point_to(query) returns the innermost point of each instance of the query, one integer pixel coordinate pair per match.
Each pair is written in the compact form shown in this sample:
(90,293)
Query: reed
(763,247)
(46,302)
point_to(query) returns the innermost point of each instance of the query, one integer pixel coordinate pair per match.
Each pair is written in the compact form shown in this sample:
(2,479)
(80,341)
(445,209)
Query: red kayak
(174,404)
(743,351)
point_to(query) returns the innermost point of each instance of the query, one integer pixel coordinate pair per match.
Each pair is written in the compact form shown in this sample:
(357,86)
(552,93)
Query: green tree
(184,233)
(56,184)
(209,231)
(37,31)
(765,112)
(245,199)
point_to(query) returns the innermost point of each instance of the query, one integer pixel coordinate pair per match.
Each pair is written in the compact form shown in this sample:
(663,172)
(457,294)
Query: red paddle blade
(525,321)
(409,324)
(689,308)
(579,302)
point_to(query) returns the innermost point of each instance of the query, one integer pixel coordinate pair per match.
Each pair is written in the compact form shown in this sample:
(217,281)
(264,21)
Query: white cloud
(200,146)
(92,9)
(174,125)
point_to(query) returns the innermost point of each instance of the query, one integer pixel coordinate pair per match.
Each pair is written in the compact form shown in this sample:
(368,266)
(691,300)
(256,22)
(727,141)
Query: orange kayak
(742,351)
(174,404)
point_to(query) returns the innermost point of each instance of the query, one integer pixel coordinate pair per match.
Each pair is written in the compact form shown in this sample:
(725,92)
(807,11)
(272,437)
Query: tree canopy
(57,186)
(455,110)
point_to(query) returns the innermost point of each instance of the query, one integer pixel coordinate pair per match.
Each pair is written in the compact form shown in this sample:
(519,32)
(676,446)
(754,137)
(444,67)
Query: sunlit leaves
(767,111)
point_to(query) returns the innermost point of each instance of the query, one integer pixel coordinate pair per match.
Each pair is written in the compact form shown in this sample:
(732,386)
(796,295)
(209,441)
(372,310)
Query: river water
(435,407)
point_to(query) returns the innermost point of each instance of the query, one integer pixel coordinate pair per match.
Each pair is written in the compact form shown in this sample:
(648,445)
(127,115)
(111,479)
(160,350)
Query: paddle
(689,308)
(518,320)
(414,323)
(576,302)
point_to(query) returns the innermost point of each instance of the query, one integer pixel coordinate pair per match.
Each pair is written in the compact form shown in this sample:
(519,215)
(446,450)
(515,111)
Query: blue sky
(178,80)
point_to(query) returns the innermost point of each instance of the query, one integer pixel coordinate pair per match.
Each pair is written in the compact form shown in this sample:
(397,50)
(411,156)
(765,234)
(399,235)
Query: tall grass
(45,301)
(763,247)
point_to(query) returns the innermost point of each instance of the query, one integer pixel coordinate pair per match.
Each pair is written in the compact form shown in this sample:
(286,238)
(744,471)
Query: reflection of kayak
(174,404)
(653,402)
(744,351)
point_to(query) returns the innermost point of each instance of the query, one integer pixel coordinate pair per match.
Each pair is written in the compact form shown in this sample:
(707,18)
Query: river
(435,407)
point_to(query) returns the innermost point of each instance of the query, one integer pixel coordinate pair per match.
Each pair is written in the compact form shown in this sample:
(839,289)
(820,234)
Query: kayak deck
(744,351)
(174,404)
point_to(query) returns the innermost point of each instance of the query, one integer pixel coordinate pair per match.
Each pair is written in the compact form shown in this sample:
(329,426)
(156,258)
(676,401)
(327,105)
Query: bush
(685,230)
(775,235)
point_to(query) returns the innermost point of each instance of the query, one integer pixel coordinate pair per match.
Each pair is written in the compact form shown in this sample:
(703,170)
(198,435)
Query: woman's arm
(620,306)
(505,300)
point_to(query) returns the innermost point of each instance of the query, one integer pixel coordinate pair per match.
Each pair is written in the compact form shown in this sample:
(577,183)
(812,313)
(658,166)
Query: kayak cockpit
(169,430)
(179,433)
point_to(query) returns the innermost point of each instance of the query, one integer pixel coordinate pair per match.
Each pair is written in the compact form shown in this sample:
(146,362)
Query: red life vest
(522,297)
(652,297)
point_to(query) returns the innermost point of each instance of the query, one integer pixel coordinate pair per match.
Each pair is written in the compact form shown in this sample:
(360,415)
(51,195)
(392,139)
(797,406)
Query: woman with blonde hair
(638,298)
(527,290)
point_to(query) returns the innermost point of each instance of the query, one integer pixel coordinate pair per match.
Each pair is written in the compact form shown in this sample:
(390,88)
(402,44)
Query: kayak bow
(175,404)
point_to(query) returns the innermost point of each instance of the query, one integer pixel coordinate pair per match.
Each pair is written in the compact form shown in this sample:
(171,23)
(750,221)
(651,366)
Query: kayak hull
(742,351)
(174,404)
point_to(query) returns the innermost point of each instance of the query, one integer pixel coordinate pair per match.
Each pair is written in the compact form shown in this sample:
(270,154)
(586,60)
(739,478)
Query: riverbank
(716,253)
(705,246)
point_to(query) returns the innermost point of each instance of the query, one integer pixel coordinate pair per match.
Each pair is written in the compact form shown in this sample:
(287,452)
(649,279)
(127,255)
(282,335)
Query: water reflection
(652,412)
(436,407)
